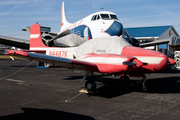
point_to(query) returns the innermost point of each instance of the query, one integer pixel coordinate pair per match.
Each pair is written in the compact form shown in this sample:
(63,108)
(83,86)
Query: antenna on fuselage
(102,9)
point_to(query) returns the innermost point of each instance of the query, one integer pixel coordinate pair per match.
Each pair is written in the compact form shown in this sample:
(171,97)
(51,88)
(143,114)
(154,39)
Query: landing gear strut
(90,84)
(144,88)
(124,79)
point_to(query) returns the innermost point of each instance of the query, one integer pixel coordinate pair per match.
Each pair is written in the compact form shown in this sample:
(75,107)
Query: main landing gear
(125,81)
(90,84)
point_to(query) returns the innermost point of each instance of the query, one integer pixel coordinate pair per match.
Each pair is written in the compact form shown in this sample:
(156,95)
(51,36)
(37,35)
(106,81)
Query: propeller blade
(135,63)
(66,32)
(51,42)
(129,63)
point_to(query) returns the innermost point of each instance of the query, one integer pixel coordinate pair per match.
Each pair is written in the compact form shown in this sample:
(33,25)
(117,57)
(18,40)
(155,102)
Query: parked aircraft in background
(99,24)
(111,54)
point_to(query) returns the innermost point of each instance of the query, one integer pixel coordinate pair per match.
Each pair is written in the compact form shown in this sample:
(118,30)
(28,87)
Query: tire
(124,80)
(90,85)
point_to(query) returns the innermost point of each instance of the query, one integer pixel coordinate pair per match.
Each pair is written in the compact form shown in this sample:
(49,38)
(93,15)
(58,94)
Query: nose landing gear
(144,88)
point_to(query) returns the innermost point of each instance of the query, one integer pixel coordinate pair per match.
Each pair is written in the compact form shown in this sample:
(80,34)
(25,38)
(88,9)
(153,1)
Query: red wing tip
(17,52)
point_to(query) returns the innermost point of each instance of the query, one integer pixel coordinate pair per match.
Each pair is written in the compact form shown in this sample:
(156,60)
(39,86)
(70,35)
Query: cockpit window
(113,16)
(98,17)
(95,17)
(104,16)
(92,17)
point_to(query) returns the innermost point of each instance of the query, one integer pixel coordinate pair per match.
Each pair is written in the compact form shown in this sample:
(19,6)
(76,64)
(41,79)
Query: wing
(65,62)
(20,43)
(156,42)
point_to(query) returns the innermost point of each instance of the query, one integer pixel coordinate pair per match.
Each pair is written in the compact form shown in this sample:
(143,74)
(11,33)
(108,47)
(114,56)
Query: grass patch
(8,57)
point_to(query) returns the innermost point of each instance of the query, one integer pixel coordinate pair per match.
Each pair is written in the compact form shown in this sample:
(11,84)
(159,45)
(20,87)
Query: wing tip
(18,52)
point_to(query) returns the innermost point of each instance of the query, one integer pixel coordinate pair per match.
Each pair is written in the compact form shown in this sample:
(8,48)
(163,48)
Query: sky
(16,15)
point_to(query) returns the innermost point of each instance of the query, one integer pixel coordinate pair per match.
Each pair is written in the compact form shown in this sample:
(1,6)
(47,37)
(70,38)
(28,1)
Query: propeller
(135,63)
(129,63)
(64,33)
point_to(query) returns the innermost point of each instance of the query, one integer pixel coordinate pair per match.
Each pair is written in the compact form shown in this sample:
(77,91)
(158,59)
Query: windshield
(104,16)
(113,16)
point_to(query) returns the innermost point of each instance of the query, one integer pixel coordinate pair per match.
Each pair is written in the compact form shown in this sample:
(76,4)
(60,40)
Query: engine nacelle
(109,63)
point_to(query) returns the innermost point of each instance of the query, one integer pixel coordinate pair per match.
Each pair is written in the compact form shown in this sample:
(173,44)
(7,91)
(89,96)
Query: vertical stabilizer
(64,22)
(35,37)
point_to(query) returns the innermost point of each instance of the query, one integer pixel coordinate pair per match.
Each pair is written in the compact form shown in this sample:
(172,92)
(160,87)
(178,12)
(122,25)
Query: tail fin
(35,37)
(64,22)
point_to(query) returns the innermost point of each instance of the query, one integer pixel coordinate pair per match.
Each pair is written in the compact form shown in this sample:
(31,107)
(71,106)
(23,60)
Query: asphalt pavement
(30,93)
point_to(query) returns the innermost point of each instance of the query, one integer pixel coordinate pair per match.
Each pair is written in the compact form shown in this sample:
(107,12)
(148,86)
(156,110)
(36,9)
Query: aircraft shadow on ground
(73,78)
(158,85)
(112,87)
(46,114)
(168,70)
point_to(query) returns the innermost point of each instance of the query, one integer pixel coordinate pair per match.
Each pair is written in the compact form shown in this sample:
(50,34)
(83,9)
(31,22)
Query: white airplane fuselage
(99,24)
(88,28)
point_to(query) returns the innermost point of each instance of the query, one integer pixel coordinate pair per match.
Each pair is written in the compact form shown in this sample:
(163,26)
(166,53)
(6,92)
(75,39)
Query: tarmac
(30,93)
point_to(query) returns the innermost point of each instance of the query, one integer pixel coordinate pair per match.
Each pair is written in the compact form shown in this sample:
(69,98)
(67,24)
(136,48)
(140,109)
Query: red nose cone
(171,61)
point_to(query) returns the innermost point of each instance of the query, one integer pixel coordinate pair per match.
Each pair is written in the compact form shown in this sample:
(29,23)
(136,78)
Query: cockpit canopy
(104,17)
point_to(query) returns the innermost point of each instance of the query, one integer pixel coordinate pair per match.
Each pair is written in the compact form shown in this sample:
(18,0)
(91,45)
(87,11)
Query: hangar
(155,37)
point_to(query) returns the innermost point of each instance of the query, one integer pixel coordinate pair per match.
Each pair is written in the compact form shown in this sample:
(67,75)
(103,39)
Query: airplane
(103,23)
(99,24)
(111,55)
